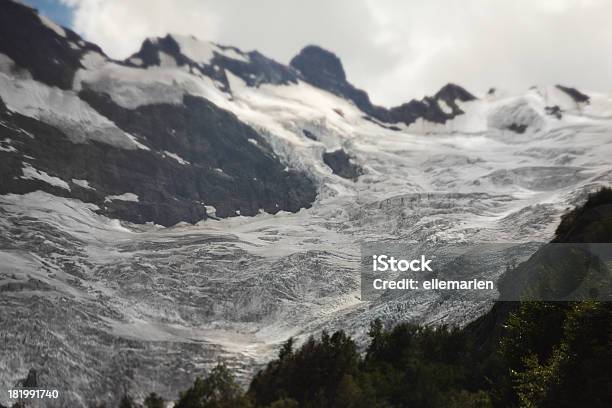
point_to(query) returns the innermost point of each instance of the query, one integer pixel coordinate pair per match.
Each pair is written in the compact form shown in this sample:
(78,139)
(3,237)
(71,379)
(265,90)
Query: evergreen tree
(218,390)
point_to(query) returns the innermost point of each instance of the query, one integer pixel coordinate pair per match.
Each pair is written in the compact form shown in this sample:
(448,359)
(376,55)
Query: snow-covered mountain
(197,202)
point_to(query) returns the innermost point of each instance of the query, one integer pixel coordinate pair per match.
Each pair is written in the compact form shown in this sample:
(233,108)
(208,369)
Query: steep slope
(165,163)
(50,53)
(157,138)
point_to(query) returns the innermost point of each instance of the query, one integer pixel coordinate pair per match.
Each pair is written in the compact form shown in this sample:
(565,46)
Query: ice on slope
(5,145)
(122,197)
(63,109)
(166,61)
(444,106)
(176,157)
(31,173)
(82,183)
(520,114)
(93,60)
(502,109)
(202,52)
(131,87)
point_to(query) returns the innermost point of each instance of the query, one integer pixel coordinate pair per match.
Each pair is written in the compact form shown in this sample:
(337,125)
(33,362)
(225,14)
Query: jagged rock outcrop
(341,164)
(575,94)
(324,70)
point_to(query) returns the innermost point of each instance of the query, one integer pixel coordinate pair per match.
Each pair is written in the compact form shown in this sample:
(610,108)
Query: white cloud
(120,26)
(395,49)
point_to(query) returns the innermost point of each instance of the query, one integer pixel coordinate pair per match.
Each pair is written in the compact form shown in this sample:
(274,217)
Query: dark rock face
(554,111)
(390,127)
(576,95)
(49,57)
(517,128)
(320,65)
(229,165)
(323,69)
(451,93)
(341,165)
(309,134)
(259,70)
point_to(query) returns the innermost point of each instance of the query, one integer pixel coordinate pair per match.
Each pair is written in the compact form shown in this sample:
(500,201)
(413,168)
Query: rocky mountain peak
(452,92)
(149,53)
(575,94)
(324,70)
(316,61)
(212,60)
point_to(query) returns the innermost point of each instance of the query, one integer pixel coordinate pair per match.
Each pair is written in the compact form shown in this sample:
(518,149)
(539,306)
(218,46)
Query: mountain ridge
(324,69)
(139,224)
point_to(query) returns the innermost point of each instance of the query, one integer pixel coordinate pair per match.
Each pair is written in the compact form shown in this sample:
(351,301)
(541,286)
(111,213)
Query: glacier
(96,303)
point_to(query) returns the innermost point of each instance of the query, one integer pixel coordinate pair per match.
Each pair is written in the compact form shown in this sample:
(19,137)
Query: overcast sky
(394,49)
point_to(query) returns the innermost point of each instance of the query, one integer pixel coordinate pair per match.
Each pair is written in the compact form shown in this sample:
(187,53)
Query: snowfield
(114,303)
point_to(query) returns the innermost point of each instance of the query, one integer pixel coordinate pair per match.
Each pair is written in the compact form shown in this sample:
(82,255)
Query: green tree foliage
(552,354)
(218,390)
(418,366)
(405,366)
(565,367)
(311,375)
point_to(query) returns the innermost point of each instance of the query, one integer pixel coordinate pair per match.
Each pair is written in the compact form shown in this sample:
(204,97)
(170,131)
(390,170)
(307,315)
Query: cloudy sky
(394,49)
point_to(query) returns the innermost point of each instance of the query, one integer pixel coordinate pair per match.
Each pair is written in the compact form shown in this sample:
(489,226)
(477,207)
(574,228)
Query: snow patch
(51,25)
(5,146)
(211,211)
(520,113)
(176,157)
(166,61)
(92,60)
(444,107)
(82,183)
(30,173)
(202,52)
(233,54)
(194,49)
(63,109)
(122,197)
(131,87)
